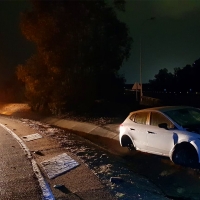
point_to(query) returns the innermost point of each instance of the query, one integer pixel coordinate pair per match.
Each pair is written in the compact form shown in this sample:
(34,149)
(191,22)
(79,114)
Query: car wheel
(185,155)
(131,147)
(126,142)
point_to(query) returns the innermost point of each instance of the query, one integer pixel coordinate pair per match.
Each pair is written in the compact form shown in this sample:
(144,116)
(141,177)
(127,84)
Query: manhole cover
(58,165)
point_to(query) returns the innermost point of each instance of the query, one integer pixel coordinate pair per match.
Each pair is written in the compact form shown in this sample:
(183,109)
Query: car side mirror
(163,125)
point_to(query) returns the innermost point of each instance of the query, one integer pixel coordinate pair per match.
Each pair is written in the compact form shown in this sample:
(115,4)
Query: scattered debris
(180,190)
(35,136)
(103,156)
(103,164)
(116,180)
(58,186)
(38,153)
(120,195)
(167,172)
(63,189)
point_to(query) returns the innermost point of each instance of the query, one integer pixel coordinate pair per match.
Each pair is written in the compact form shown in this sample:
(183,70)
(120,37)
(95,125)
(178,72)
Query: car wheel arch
(197,147)
(125,140)
(184,144)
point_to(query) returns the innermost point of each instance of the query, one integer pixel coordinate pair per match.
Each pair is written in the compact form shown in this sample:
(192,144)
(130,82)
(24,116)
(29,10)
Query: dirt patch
(23,110)
(19,110)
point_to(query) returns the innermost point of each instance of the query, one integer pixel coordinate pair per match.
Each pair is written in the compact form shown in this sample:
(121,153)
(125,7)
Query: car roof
(163,108)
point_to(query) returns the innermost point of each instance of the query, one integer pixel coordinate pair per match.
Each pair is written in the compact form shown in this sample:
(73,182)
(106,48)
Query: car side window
(132,117)
(141,117)
(158,118)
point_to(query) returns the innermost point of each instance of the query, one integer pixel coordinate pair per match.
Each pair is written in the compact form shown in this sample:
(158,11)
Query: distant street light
(141,93)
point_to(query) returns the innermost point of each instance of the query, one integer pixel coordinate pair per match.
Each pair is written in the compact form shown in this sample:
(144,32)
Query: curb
(83,127)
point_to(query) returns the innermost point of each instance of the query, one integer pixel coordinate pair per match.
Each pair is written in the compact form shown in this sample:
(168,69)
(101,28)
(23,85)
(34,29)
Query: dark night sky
(171,40)
(14,49)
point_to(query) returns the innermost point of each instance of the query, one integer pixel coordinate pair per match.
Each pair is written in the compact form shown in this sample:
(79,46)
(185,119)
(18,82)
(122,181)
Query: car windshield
(186,117)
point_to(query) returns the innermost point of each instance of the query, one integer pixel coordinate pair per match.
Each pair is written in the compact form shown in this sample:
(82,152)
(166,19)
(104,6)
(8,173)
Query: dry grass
(22,110)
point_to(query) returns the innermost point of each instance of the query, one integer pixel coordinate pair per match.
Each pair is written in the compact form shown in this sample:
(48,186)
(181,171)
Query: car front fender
(194,143)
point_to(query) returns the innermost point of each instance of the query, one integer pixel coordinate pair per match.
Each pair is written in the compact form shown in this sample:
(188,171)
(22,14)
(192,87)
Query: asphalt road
(17,179)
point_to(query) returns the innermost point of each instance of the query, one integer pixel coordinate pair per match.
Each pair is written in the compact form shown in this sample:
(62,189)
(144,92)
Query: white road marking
(47,193)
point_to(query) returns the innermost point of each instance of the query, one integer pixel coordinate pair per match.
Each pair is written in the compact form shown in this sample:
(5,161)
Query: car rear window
(141,117)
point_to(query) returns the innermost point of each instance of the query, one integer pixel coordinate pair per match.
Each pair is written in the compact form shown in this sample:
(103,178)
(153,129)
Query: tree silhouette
(163,80)
(183,79)
(80,45)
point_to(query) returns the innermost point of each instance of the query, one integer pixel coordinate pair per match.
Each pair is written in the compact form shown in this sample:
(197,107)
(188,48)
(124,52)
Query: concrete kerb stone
(103,133)
(112,127)
(50,120)
(116,137)
(65,124)
(82,127)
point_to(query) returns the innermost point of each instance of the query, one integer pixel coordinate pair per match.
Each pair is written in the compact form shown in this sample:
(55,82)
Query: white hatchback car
(172,131)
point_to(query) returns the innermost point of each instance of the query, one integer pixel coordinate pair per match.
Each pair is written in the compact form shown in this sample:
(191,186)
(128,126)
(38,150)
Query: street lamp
(141,93)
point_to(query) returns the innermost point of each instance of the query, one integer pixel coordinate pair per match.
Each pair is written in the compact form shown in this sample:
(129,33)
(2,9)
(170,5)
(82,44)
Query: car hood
(184,135)
(193,129)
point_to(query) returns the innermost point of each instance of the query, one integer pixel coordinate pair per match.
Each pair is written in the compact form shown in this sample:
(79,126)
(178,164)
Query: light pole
(141,92)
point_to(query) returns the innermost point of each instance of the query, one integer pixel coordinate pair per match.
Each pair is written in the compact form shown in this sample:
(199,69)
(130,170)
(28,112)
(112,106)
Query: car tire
(185,155)
(126,142)
(131,147)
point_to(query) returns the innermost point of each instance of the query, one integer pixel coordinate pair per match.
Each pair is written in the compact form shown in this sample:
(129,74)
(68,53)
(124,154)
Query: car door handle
(150,132)
(132,129)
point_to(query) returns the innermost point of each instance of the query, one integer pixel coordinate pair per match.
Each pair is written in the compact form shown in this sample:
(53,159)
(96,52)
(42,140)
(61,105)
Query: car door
(137,129)
(160,140)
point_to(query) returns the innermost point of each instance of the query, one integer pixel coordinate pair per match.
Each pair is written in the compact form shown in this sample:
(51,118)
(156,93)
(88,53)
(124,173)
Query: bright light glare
(121,129)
